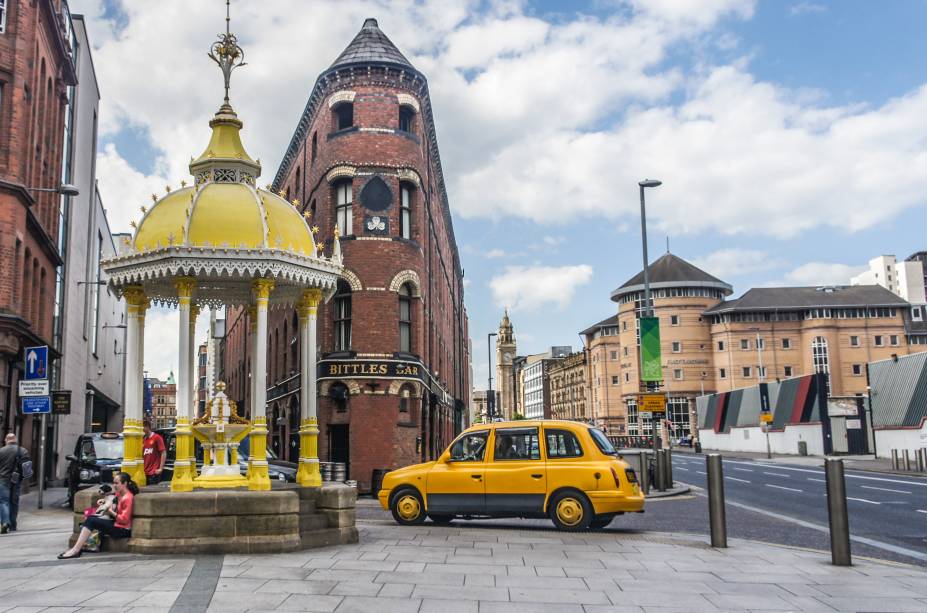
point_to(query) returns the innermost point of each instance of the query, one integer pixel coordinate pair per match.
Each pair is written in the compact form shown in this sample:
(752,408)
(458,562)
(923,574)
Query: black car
(97,456)
(277,469)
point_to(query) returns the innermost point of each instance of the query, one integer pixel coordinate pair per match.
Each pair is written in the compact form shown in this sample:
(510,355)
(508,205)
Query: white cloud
(524,288)
(495,254)
(162,329)
(822,273)
(124,189)
(735,262)
(803,8)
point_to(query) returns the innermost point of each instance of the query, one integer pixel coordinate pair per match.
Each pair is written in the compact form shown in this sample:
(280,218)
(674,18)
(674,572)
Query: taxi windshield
(108,449)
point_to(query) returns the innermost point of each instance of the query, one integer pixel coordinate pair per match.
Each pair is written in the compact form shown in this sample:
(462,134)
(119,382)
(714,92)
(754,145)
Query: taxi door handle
(476,476)
(536,476)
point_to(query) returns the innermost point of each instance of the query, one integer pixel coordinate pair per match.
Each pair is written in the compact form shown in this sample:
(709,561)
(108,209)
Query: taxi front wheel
(571,511)
(407,507)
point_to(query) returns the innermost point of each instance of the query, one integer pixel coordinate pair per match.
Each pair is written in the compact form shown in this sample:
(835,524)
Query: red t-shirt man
(154,454)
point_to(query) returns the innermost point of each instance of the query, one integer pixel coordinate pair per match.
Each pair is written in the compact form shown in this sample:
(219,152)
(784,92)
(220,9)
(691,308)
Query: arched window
(342,317)
(343,115)
(344,196)
(405,318)
(315,146)
(297,187)
(406,117)
(405,211)
(820,358)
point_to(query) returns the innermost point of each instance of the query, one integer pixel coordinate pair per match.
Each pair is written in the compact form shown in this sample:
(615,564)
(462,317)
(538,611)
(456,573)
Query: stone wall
(288,518)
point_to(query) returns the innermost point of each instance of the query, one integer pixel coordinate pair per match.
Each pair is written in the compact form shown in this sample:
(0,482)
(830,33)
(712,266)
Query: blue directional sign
(34,405)
(36,360)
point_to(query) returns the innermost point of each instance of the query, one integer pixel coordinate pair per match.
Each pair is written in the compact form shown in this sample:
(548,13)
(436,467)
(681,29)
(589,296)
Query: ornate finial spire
(226,53)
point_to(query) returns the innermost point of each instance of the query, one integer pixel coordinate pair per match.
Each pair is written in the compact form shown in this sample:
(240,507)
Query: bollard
(919,456)
(837,512)
(660,470)
(894,459)
(716,517)
(907,460)
(645,473)
(668,463)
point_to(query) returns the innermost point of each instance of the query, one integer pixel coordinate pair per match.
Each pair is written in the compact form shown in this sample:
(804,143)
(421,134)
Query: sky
(790,136)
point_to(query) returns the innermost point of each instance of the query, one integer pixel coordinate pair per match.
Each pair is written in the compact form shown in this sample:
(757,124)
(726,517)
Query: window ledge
(339,133)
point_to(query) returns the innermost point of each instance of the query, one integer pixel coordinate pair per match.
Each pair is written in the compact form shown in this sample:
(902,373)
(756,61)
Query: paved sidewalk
(449,569)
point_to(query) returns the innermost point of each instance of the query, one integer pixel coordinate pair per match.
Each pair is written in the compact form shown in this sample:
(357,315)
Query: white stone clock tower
(505,354)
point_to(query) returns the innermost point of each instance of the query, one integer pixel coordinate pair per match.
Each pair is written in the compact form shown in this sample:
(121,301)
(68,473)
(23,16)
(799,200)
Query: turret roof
(371,46)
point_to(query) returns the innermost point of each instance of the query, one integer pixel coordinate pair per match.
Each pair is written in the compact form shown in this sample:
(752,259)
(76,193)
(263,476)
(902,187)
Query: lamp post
(648,304)
(490,400)
(65,189)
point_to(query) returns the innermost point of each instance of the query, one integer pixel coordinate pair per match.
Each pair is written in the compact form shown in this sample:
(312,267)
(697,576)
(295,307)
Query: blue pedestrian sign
(36,405)
(36,359)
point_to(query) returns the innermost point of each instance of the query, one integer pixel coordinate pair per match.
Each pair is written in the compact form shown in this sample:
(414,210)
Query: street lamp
(490,400)
(65,189)
(648,304)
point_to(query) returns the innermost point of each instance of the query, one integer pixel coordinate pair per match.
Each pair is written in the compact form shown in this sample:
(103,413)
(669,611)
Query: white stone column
(132,462)
(194,360)
(258,478)
(140,365)
(308,474)
(184,467)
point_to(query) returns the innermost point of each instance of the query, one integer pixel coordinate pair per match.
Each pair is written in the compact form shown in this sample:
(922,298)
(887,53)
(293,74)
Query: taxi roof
(521,423)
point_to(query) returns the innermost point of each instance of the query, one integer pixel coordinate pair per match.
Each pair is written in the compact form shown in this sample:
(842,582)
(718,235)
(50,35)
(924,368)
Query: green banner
(651,369)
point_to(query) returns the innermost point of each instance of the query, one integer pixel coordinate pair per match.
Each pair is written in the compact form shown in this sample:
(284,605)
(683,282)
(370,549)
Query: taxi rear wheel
(571,511)
(407,507)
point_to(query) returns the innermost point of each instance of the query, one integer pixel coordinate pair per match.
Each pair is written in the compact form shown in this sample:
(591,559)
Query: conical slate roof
(672,271)
(371,46)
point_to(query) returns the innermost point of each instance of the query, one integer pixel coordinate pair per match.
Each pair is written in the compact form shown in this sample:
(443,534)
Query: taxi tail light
(631,475)
(617,480)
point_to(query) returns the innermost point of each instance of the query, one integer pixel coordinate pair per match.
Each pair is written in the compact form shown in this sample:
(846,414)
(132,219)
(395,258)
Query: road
(886,508)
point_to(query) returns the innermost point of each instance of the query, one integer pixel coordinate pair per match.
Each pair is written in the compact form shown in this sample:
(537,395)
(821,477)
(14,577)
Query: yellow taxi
(563,470)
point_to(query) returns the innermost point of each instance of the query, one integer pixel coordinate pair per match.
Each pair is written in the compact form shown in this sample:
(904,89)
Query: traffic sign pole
(42,462)
(36,361)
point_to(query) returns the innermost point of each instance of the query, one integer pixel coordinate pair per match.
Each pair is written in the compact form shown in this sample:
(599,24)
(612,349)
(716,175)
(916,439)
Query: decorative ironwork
(224,175)
(227,53)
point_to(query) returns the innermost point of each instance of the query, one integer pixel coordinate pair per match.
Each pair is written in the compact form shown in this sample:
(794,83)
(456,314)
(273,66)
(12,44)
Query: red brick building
(394,364)
(35,71)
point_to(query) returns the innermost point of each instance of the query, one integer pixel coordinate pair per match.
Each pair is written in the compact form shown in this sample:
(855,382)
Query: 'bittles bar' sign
(371,369)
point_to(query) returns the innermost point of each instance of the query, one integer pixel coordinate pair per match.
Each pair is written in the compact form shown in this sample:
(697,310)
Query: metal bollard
(894,459)
(919,456)
(645,473)
(716,516)
(907,460)
(837,512)
(660,470)
(668,463)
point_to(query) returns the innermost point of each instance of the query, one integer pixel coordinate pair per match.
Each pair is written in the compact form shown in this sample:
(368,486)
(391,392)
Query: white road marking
(818,480)
(911,553)
(776,474)
(701,472)
(821,471)
(681,468)
(746,470)
(736,479)
(883,489)
(779,487)
(863,500)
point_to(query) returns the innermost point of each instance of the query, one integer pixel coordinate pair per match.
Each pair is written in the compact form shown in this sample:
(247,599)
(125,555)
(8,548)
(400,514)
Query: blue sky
(790,136)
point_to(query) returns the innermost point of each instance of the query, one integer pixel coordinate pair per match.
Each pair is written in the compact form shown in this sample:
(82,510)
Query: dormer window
(343,115)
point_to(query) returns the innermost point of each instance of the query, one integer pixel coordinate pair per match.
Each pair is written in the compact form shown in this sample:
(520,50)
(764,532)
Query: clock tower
(505,354)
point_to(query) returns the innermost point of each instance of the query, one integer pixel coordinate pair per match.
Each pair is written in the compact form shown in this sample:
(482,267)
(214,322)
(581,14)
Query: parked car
(97,456)
(277,469)
(563,470)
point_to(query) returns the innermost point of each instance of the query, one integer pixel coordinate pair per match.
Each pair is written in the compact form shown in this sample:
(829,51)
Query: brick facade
(35,72)
(384,403)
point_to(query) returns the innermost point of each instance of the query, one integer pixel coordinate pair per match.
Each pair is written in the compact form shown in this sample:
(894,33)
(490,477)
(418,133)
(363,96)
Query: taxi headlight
(88,475)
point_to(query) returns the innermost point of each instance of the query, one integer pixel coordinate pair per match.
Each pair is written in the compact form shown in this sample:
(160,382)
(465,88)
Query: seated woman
(116,521)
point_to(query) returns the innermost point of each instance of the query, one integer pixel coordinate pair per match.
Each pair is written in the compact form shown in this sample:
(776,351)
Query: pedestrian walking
(15,467)
(154,454)
(116,522)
